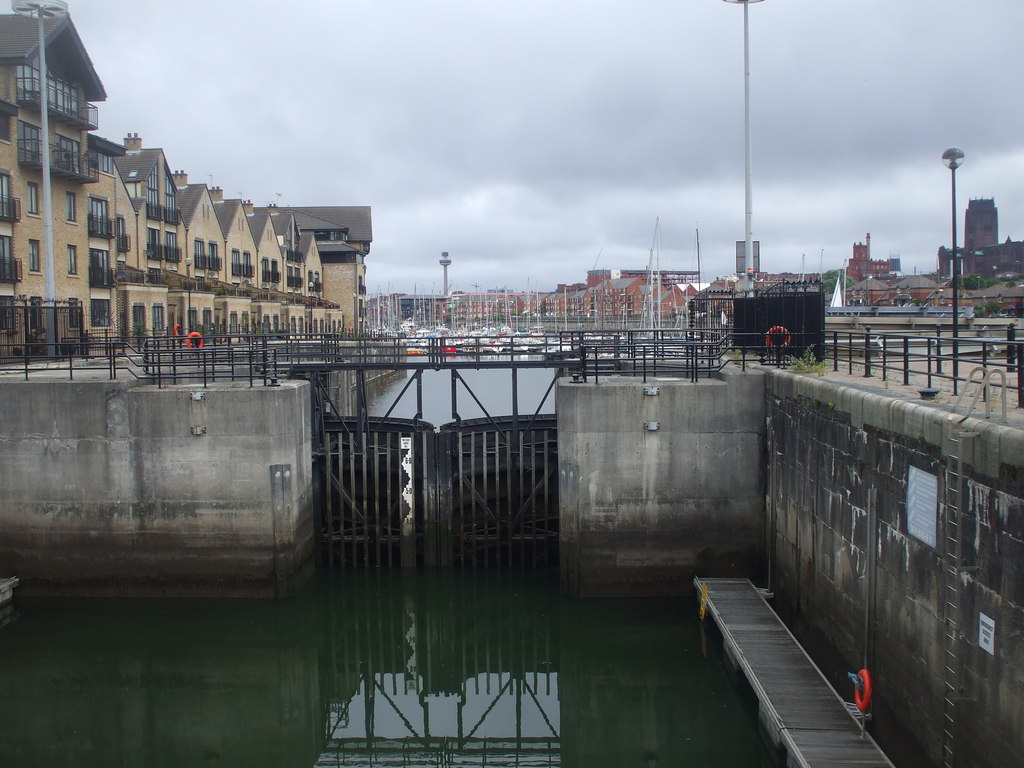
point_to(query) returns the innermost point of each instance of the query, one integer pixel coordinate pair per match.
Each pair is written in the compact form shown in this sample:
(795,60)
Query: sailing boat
(837,294)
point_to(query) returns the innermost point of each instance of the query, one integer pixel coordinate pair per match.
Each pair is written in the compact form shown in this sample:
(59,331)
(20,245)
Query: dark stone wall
(858,589)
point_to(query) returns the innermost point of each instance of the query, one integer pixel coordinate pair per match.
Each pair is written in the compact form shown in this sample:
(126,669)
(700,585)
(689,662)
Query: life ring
(194,340)
(780,334)
(862,692)
(177,329)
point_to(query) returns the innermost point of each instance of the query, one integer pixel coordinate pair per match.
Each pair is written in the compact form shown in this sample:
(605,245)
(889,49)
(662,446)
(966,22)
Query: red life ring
(177,329)
(778,332)
(194,340)
(862,693)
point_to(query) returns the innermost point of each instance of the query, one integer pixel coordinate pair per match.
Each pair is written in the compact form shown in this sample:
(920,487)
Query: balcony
(242,270)
(154,251)
(65,107)
(10,209)
(293,255)
(294,281)
(151,277)
(172,253)
(316,287)
(10,270)
(154,211)
(171,215)
(271,276)
(213,264)
(63,162)
(124,243)
(101,227)
(100,276)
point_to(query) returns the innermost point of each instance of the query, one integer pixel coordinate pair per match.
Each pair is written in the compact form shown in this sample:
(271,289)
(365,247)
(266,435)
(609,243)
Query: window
(72,260)
(152,243)
(138,319)
(99,313)
(32,197)
(5,128)
(101,162)
(33,256)
(152,189)
(29,143)
(98,207)
(67,154)
(70,204)
(158,317)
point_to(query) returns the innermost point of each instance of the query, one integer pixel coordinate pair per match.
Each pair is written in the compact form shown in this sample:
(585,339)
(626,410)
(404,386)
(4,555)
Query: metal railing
(913,360)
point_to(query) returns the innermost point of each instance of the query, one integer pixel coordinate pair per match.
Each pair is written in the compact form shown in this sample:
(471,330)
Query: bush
(806,363)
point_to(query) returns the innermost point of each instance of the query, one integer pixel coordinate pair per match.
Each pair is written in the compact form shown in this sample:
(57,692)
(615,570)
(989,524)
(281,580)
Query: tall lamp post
(748,247)
(45,9)
(954,158)
(188,290)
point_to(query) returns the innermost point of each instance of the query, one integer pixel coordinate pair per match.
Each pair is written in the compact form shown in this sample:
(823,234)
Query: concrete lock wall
(858,526)
(117,488)
(655,487)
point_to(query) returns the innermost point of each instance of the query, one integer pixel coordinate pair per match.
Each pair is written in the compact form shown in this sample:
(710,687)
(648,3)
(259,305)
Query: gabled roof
(227,211)
(136,166)
(870,284)
(66,57)
(915,281)
(258,223)
(188,199)
(355,219)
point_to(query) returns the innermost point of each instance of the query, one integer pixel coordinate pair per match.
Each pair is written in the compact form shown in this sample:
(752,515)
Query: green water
(373,669)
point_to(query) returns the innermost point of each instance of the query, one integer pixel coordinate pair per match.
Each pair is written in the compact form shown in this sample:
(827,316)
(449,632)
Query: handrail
(984,384)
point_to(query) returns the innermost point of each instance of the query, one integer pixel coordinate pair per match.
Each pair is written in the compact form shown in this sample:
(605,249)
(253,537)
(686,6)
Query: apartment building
(137,249)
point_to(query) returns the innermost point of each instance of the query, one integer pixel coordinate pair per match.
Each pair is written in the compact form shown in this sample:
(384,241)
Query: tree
(828,281)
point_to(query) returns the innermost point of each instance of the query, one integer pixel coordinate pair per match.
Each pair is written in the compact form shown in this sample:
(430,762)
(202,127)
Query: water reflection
(377,668)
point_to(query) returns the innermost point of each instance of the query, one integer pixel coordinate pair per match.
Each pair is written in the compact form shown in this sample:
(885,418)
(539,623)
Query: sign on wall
(922,505)
(987,633)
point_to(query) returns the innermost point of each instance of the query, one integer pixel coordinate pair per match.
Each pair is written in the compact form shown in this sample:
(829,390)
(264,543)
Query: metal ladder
(953,569)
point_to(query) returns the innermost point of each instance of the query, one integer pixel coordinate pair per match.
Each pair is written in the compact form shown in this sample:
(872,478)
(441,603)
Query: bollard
(867,351)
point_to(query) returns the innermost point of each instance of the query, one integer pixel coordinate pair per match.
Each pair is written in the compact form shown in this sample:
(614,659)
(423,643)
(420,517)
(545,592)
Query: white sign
(406,443)
(987,633)
(922,504)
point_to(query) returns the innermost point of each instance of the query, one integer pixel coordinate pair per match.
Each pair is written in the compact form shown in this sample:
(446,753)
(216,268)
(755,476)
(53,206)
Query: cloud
(533,140)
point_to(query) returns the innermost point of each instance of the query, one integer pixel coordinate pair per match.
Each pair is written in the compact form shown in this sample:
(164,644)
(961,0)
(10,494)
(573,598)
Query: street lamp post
(953,159)
(45,9)
(748,247)
(188,290)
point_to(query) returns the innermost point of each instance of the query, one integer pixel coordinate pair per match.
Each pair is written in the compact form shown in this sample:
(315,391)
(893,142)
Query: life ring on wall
(862,690)
(194,340)
(778,336)
(176,330)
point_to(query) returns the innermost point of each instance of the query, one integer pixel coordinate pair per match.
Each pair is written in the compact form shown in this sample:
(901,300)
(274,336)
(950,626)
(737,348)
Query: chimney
(132,142)
(868,243)
(217,194)
(247,207)
(180,179)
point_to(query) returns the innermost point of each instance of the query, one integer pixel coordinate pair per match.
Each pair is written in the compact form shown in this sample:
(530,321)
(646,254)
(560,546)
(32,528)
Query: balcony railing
(293,255)
(10,209)
(63,162)
(101,227)
(152,277)
(100,276)
(154,251)
(242,270)
(172,253)
(10,270)
(124,243)
(154,211)
(83,115)
(294,281)
(271,276)
(171,215)
(316,287)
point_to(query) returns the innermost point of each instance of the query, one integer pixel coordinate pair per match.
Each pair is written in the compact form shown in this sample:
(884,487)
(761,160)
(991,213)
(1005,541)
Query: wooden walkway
(802,713)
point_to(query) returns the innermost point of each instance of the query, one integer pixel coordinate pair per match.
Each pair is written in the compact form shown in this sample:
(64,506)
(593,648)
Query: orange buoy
(194,340)
(862,692)
(778,335)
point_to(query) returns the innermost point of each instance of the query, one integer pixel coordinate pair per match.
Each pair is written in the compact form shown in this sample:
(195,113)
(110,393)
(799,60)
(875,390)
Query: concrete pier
(117,488)
(658,481)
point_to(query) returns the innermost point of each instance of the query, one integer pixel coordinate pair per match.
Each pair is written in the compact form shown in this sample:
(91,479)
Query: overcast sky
(536,139)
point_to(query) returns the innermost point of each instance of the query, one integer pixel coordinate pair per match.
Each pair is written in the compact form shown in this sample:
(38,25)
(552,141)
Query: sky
(534,140)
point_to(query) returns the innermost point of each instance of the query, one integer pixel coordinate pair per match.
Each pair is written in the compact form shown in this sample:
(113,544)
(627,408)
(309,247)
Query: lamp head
(41,8)
(742,2)
(953,158)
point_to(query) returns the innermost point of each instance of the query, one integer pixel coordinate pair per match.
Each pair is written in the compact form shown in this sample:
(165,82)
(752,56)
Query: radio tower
(445,261)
